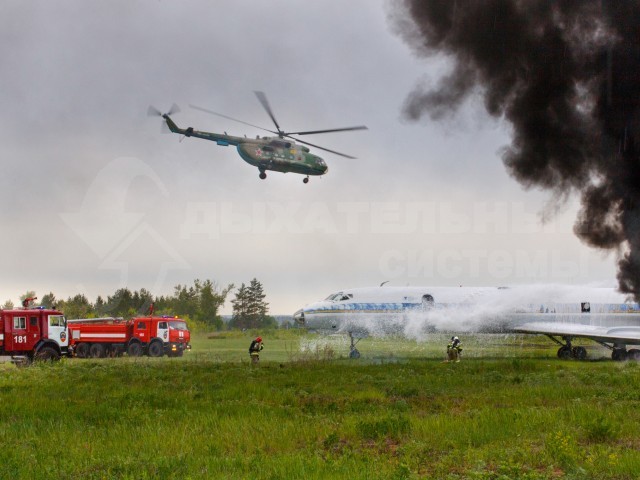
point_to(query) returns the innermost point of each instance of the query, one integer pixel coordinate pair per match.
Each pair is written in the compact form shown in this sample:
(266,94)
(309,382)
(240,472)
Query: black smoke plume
(566,75)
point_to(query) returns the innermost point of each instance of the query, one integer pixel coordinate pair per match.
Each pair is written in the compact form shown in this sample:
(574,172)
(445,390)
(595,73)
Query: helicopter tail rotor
(154,112)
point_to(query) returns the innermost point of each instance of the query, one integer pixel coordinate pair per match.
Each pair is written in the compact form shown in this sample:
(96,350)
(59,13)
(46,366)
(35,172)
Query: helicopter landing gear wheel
(305,180)
(263,175)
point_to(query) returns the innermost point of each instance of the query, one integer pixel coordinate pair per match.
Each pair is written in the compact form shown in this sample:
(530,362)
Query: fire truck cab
(33,334)
(159,336)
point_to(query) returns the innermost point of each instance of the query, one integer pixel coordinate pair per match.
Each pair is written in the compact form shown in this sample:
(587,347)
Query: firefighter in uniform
(255,348)
(454,350)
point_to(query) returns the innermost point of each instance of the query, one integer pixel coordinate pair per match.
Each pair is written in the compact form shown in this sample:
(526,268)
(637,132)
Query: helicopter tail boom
(220,139)
(172,125)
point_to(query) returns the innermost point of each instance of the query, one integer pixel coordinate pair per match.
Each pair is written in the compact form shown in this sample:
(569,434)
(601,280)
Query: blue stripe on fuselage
(364,307)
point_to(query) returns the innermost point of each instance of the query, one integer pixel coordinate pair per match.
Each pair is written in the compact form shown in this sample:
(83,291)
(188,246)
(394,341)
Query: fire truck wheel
(134,349)
(24,363)
(155,349)
(47,354)
(82,350)
(96,350)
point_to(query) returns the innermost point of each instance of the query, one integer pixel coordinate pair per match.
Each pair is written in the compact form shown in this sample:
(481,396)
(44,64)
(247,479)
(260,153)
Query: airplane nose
(298,317)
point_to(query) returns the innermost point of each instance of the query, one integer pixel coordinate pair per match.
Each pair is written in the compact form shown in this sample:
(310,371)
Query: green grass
(510,409)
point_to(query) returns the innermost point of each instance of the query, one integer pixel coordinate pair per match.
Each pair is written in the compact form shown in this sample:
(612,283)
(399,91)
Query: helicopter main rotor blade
(265,104)
(321,148)
(346,129)
(205,110)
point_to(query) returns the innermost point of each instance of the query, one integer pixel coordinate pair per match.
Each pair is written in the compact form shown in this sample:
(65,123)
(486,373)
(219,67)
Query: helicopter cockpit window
(280,144)
(267,148)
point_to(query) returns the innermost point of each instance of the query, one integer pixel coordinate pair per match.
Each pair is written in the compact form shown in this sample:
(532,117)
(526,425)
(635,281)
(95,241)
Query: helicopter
(282,153)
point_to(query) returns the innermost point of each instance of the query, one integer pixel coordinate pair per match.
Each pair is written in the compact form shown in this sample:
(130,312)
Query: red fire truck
(153,336)
(33,333)
(44,334)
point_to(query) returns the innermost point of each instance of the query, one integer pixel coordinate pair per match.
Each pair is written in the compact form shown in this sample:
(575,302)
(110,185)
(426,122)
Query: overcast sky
(95,197)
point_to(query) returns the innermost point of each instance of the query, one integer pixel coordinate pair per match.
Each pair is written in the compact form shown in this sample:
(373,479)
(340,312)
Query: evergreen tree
(249,307)
(257,308)
(100,307)
(240,302)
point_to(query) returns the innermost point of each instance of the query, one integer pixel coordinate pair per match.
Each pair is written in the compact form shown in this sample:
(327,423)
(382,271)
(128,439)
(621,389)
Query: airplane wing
(626,335)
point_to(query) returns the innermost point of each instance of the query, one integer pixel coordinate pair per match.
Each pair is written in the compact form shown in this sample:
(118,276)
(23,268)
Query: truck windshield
(57,321)
(178,325)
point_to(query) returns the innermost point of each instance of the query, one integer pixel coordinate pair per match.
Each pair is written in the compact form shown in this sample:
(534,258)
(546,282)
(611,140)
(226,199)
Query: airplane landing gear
(567,351)
(633,354)
(619,354)
(564,352)
(353,351)
(579,353)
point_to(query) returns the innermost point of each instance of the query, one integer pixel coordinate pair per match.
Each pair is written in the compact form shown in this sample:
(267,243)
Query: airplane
(561,313)
(279,154)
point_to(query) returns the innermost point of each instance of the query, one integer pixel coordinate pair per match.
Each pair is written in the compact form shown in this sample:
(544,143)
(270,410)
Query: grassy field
(510,409)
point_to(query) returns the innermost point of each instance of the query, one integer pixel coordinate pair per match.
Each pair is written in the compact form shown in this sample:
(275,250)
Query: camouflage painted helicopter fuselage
(265,153)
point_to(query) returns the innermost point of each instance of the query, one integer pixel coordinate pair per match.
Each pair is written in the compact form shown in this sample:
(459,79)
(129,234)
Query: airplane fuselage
(596,313)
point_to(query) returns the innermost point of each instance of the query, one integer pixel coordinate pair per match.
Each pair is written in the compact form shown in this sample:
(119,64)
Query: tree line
(199,304)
